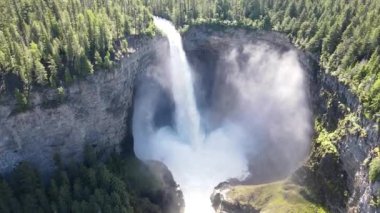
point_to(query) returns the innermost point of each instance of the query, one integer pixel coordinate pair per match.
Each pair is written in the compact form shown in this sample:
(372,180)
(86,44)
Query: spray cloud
(256,121)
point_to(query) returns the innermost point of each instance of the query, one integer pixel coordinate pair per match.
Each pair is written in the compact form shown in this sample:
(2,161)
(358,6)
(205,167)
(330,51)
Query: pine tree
(107,61)
(267,25)
(98,60)
(291,11)
(52,70)
(223,9)
(22,101)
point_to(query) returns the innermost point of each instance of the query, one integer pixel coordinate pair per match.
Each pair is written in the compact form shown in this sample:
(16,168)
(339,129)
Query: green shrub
(61,93)
(22,101)
(374,170)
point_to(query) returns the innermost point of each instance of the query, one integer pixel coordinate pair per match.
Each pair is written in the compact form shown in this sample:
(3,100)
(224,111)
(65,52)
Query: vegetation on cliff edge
(374,170)
(274,197)
(52,42)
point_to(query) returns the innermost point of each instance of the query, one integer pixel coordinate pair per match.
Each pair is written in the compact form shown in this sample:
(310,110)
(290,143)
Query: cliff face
(340,179)
(337,179)
(94,111)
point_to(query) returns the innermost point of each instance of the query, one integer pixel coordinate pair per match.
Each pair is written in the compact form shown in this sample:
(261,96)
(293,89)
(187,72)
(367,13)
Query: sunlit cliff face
(255,117)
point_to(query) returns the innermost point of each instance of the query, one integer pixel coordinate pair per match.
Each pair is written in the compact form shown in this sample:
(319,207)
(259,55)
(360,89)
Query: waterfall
(187,119)
(187,126)
(258,115)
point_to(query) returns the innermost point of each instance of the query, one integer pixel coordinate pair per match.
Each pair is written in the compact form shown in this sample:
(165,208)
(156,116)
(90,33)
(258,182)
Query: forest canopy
(52,42)
(49,42)
(118,184)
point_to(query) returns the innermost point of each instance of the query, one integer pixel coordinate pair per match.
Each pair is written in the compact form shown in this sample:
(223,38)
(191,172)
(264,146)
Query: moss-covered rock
(374,170)
(280,197)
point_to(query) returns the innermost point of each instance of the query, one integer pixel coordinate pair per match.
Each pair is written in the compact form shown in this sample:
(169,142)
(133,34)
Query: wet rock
(222,204)
(171,196)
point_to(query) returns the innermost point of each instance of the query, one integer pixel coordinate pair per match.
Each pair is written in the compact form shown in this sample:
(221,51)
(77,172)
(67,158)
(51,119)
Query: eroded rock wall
(93,111)
(340,181)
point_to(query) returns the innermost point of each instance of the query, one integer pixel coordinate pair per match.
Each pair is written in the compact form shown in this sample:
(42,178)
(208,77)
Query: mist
(250,121)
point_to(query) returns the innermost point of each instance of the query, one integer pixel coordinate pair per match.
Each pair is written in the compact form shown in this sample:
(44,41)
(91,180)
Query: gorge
(246,118)
(98,111)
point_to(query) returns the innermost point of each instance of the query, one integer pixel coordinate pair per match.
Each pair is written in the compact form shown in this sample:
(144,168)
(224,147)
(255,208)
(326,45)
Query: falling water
(186,113)
(262,116)
(187,123)
(198,161)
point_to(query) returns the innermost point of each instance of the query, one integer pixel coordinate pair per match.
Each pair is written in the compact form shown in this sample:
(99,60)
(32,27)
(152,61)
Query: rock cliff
(94,110)
(338,180)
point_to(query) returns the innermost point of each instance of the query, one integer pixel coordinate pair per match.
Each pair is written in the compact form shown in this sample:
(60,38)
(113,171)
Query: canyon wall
(94,110)
(339,180)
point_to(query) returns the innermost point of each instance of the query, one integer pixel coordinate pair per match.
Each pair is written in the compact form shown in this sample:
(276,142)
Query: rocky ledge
(223,204)
(171,195)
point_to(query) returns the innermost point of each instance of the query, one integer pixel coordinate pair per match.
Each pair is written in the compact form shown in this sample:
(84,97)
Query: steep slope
(95,110)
